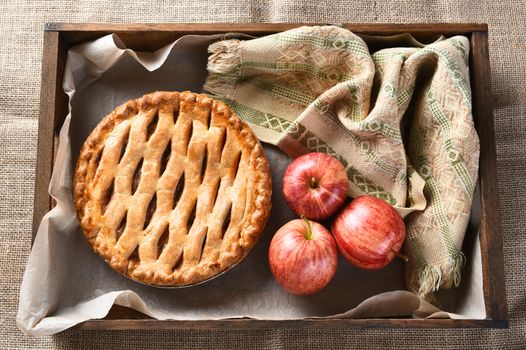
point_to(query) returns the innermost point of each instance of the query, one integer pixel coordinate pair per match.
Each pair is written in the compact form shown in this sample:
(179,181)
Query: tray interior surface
(58,38)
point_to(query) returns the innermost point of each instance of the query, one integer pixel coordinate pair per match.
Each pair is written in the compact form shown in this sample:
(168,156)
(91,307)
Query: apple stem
(313,182)
(400,255)
(308,236)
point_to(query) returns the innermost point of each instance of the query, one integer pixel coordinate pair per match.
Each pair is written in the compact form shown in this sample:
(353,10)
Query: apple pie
(172,188)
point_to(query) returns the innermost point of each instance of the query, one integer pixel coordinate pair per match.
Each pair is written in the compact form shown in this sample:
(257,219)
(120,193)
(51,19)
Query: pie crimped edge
(87,194)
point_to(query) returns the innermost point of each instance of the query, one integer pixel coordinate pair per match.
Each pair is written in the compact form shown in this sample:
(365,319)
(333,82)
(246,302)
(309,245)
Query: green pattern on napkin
(319,89)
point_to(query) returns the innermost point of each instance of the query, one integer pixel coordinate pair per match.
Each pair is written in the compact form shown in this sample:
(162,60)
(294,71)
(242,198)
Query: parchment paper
(65,283)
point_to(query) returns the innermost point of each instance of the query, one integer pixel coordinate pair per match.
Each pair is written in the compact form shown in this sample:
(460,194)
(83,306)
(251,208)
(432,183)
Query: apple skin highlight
(315,185)
(303,263)
(369,233)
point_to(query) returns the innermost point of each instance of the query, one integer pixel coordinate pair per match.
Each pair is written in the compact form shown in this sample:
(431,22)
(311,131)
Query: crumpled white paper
(65,283)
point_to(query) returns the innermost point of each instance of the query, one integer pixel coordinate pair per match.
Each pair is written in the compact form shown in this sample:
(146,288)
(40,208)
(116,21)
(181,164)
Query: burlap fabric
(319,89)
(20,62)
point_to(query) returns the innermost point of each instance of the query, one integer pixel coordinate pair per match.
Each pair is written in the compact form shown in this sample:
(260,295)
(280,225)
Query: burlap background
(21,24)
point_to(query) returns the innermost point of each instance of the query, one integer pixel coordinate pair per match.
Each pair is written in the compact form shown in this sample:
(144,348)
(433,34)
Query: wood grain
(265,28)
(53,109)
(490,230)
(121,324)
(58,37)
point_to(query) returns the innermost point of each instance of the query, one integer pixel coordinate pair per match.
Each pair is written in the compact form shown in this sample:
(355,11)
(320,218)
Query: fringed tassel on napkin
(223,64)
(431,278)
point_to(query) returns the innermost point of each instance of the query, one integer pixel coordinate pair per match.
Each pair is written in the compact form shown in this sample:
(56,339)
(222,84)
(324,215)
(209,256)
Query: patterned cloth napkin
(398,119)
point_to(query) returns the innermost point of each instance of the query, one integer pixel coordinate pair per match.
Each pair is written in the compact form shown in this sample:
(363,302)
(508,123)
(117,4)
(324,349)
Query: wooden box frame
(59,37)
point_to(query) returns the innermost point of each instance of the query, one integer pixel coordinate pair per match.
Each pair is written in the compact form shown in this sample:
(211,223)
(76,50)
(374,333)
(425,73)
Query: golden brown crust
(232,177)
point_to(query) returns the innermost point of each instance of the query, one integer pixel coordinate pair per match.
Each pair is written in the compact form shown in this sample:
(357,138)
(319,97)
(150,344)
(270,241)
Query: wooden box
(58,38)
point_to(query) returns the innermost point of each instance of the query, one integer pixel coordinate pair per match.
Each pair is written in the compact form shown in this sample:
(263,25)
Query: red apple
(315,185)
(303,257)
(369,232)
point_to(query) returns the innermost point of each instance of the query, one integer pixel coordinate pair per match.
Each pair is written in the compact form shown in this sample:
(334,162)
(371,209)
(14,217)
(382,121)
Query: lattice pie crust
(172,188)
